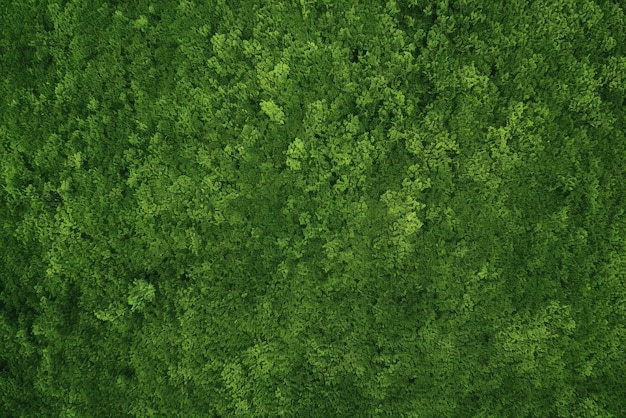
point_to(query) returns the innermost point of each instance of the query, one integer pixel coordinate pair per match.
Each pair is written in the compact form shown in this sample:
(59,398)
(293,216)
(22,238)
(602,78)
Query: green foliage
(312,208)
(140,293)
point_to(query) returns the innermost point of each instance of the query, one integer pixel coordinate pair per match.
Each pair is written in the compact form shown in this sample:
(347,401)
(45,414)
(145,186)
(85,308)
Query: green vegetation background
(313,208)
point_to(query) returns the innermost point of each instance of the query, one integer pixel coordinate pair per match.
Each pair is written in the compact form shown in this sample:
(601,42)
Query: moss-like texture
(312,208)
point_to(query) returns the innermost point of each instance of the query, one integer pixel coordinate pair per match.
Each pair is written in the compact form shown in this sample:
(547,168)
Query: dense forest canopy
(312,208)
